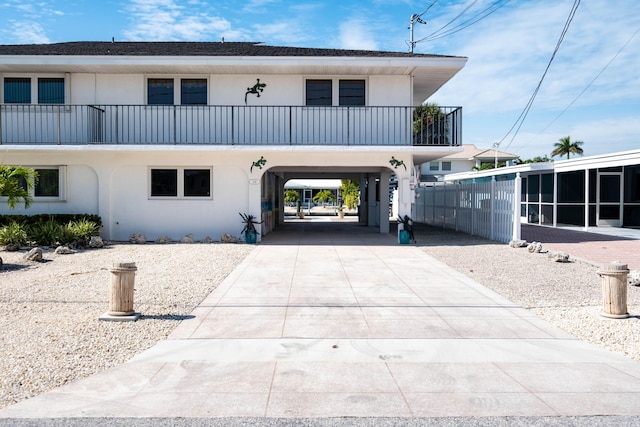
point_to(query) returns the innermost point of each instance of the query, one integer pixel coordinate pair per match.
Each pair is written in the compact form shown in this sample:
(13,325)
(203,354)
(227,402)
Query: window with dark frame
(446,166)
(17,90)
(180,182)
(197,182)
(319,92)
(160,92)
(164,182)
(51,90)
(351,92)
(47,184)
(193,91)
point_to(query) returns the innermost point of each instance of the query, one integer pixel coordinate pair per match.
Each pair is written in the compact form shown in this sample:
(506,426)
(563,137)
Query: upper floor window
(51,90)
(193,91)
(319,92)
(160,91)
(351,92)
(446,166)
(434,166)
(164,91)
(48,90)
(347,92)
(17,90)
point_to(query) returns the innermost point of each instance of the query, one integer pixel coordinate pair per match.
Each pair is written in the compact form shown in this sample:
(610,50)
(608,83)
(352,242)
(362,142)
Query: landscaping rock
(34,254)
(96,242)
(138,238)
(518,244)
(634,277)
(229,238)
(187,239)
(64,250)
(535,247)
(12,247)
(559,256)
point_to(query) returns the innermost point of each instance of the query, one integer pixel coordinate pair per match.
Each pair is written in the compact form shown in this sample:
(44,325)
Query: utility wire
(474,19)
(449,23)
(520,120)
(428,7)
(590,83)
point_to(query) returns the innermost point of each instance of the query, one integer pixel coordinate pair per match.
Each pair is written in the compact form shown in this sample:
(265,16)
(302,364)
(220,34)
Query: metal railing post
(58,124)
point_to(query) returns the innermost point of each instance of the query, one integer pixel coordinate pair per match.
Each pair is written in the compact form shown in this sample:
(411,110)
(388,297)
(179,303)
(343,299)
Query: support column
(362,207)
(586,200)
(372,208)
(384,201)
(255,202)
(517,201)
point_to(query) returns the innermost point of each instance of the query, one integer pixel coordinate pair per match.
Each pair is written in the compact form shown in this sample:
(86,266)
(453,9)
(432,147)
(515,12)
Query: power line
(489,10)
(520,120)
(590,83)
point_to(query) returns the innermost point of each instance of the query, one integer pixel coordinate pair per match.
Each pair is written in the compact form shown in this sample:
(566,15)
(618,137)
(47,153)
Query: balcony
(229,125)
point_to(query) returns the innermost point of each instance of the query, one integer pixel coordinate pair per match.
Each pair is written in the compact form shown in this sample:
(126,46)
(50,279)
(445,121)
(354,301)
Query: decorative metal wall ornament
(258,163)
(256,89)
(395,163)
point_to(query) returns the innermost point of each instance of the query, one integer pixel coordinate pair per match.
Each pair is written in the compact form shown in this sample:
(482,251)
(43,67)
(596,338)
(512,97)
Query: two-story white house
(171,138)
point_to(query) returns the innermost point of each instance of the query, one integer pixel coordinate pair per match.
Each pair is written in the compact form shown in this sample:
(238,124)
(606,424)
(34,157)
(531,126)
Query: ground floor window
(180,182)
(49,184)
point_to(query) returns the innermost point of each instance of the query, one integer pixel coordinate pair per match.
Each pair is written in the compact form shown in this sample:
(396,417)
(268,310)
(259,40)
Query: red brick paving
(594,247)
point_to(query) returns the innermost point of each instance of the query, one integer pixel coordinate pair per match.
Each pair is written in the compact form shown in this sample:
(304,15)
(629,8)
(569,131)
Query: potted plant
(405,230)
(249,230)
(340,210)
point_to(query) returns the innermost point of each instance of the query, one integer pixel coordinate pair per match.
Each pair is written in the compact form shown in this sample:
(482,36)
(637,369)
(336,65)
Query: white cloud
(168,20)
(26,32)
(355,35)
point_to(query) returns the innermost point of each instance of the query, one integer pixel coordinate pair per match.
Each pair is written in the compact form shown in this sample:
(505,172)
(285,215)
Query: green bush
(47,233)
(13,233)
(79,231)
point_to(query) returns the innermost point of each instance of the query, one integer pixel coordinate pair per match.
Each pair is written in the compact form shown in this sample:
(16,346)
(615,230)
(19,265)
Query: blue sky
(591,90)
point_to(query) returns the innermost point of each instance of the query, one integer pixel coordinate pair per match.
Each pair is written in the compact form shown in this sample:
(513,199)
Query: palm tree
(15,183)
(565,146)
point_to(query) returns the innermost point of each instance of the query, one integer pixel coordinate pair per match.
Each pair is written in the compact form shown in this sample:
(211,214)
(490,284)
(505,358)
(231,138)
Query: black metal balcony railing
(224,125)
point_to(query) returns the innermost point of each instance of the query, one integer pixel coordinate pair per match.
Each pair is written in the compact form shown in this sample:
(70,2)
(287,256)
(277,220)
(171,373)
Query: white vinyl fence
(483,209)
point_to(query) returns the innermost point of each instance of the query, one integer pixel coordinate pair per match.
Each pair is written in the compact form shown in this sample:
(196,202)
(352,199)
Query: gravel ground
(568,295)
(49,311)
(51,335)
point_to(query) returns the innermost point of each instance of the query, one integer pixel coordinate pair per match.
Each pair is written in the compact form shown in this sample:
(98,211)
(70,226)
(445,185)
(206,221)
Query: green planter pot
(250,236)
(405,237)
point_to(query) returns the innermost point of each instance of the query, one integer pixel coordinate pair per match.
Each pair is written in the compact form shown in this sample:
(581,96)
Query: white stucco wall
(230,89)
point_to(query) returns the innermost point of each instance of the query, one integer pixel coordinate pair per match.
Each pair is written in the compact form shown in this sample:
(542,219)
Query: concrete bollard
(121,293)
(614,290)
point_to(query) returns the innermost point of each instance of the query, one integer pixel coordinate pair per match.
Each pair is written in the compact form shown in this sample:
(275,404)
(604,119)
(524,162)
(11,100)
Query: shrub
(13,233)
(79,231)
(46,233)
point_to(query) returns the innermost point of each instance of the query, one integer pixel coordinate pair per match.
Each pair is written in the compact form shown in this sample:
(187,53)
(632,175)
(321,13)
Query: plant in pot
(405,230)
(340,210)
(249,230)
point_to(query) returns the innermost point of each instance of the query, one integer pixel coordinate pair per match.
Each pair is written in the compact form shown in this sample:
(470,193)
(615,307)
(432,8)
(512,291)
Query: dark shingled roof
(189,49)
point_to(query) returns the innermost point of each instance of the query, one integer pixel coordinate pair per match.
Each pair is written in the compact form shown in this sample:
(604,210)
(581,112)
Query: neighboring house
(171,138)
(462,161)
(594,191)
(308,188)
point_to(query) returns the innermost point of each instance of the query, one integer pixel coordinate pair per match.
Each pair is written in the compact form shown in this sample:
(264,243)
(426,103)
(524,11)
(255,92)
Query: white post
(586,200)
(492,214)
(517,200)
